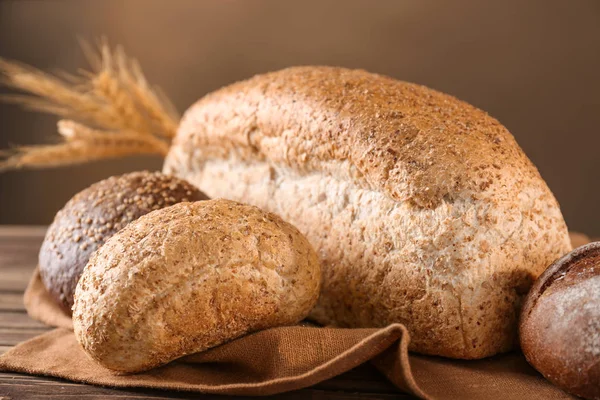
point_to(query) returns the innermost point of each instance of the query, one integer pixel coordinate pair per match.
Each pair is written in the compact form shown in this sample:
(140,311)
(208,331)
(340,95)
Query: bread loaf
(422,208)
(560,322)
(95,214)
(189,277)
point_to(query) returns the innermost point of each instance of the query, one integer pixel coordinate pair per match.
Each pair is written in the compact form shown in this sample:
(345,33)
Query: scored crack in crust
(189,277)
(422,208)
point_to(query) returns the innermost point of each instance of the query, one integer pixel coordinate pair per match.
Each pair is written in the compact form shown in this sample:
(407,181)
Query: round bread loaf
(560,322)
(189,277)
(95,214)
(423,208)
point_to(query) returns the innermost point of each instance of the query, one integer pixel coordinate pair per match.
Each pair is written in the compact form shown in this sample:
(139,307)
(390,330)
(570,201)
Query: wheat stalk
(158,108)
(72,131)
(46,88)
(105,85)
(83,144)
(110,111)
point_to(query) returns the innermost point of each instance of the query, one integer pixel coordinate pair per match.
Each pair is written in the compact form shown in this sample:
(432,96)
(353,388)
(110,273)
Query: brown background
(534,65)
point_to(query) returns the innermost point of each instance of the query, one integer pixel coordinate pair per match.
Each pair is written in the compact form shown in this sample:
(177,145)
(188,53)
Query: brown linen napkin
(279,360)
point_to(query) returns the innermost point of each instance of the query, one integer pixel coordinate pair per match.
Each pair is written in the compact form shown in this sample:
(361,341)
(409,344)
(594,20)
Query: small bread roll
(560,323)
(95,214)
(189,277)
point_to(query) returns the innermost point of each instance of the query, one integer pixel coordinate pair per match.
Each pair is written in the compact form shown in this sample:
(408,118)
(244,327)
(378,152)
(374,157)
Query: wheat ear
(109,112)
(82,144)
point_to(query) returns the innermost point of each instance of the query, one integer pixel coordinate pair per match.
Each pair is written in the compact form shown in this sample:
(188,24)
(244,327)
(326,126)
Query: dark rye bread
(560,322)
(94,215)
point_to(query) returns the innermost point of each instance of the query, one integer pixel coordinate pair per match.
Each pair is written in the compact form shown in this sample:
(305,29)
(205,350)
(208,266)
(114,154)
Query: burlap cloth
(279,360)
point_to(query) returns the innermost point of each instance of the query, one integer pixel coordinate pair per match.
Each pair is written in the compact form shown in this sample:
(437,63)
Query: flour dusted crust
(422,208)
(560,322)
(189,277)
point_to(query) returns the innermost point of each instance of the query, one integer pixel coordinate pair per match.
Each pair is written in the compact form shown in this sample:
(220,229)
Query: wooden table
(19,247)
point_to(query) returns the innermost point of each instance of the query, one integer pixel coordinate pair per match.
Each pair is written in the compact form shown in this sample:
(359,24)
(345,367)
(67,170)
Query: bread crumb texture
(189,277)
(423,209)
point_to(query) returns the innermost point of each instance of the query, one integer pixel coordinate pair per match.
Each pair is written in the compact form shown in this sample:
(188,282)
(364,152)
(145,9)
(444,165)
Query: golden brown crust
(189,277)
(423,209)
(411,142)
(95,214)
(560,322)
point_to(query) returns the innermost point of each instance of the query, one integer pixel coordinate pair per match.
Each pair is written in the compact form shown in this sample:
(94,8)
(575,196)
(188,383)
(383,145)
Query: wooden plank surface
(19,246)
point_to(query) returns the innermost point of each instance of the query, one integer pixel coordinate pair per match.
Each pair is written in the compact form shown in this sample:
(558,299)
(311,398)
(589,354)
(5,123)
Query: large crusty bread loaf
(422,208)
(189,277)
